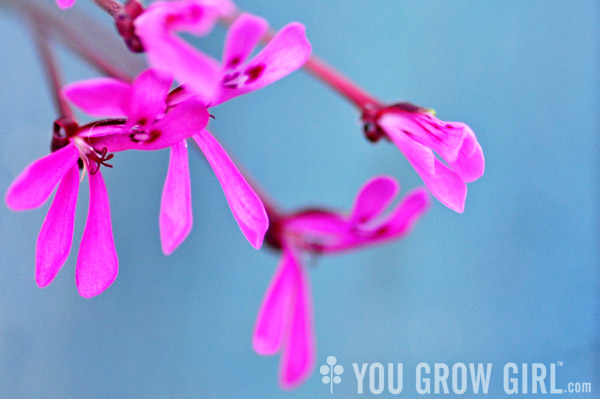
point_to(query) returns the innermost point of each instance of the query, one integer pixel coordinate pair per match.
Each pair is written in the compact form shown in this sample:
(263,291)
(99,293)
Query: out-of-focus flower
(285,320)
(418,134)
(149,108)
(65,3)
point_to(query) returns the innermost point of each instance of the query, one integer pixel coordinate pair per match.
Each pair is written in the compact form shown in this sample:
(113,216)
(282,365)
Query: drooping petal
(65,3)
(246,206)
(373,198)
(175,219)
(56,236)
(35,184)
(444,184)
(170,54)
(102,97)
(469,163)
(274,314)
(298,357)
(284,54)
(148,97)
(97,263)
(242,37)
(179,123)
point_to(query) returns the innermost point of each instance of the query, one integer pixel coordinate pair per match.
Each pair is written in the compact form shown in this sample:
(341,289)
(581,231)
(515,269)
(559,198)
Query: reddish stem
(112,7)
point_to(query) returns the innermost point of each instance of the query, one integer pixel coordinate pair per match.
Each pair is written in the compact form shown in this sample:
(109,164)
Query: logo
(331,373)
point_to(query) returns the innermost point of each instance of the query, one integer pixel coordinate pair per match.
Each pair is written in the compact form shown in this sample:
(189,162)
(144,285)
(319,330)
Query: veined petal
(275,310)
(469,163)
(373,198)
(444,184)
(148,97)
(175,219)
(101,97)
(284,54)
(179,123)
(242,37)
(35,184)
(246,206)
(298,357)
(97,263)
(55,239)
(65,3)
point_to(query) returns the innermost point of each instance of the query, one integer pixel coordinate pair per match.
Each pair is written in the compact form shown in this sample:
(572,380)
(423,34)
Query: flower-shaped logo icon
(331,373)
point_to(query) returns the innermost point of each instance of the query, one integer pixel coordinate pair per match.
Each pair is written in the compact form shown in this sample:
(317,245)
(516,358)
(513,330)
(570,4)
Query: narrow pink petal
(469,163)
(444,184)
(35,184)
(284,54)
(242,37)
(317,222)
(170,54)
(55,239)
(373,198)
(101,97)
(148,97)
(246,206)
(275,309)
(179,123)
(97,263)
(176,204)
(65,3)
(298,357)
(403,218)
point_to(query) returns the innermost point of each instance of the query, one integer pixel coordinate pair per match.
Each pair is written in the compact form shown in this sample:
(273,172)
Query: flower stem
(112,7)
(52,72)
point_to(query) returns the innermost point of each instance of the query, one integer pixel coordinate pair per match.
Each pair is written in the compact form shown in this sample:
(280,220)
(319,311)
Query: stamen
(99,158)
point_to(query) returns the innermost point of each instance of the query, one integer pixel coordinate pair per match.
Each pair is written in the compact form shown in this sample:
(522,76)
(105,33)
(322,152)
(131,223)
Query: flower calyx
(125,25)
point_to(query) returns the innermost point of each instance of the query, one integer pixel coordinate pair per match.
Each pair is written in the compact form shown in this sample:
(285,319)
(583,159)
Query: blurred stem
(80,34)
(52,71)
(112,7)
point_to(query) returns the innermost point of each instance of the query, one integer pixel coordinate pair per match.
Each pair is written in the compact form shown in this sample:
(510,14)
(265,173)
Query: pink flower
(286,52)
(418,134)
(143,103)
(150,125)
(65,3)
(285,320)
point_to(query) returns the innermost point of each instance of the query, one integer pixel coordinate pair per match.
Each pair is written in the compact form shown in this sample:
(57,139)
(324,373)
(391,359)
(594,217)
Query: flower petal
(35,184)
(97,263)
(246,206)
(373,198)
(284,54)
(403,218)
(444,184)
(65,3)
(56,236)
(242,37)
(170,54)
(101,97)
(148,97)
(176,204)
(469,163)
(298,357)
(274,312)
(179,123)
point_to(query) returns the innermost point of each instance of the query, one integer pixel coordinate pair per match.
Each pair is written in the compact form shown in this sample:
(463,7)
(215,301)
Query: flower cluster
(171,102)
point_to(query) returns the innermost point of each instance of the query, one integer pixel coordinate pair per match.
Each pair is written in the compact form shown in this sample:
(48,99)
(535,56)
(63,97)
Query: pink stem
(112,7)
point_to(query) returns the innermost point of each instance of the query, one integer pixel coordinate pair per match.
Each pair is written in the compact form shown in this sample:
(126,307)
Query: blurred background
(513,279)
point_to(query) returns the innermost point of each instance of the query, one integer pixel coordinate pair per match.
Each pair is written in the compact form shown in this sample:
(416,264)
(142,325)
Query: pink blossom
(285,320)
(418,134)
(65,3)
(286,52)
(150,106)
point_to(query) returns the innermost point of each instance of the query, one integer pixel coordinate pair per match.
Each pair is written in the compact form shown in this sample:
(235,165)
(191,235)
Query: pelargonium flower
(286,52)
(285,320)
(418,134)
(148,102)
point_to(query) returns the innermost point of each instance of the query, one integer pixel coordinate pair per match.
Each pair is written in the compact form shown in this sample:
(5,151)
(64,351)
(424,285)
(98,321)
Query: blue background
(515,278)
